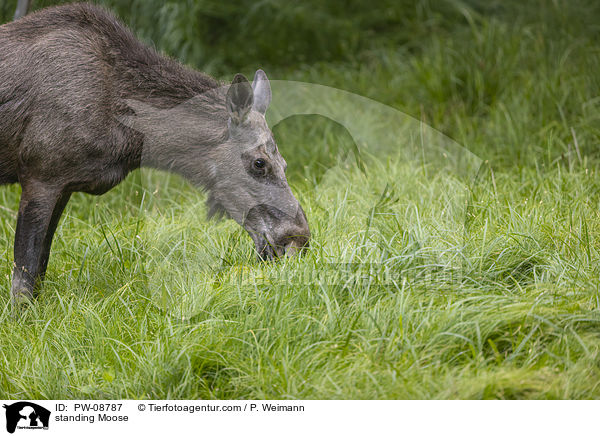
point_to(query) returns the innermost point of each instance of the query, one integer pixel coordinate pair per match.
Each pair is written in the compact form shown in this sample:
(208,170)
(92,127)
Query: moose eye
(259,164)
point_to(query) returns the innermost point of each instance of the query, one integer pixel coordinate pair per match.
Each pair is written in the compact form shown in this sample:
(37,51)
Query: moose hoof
(21,292)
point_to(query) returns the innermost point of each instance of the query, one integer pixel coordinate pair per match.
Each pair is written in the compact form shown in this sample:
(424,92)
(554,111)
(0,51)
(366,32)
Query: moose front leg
(39,211)
(54,219)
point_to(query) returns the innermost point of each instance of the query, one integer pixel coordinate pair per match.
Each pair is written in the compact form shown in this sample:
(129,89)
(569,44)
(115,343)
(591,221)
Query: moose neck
(181,114)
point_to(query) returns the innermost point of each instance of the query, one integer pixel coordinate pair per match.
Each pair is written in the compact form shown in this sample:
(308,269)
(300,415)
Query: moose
(72,76)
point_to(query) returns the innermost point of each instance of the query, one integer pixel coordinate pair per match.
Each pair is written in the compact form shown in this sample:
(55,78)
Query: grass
(402,295)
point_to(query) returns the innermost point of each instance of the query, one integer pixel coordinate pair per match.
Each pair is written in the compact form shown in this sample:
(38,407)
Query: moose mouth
(267,250)
(276,234)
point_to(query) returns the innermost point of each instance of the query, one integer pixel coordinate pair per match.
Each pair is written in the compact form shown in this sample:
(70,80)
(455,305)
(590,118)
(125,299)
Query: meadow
(419,283)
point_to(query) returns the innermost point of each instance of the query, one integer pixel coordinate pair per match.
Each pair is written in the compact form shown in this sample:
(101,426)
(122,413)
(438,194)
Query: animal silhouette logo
(24,414)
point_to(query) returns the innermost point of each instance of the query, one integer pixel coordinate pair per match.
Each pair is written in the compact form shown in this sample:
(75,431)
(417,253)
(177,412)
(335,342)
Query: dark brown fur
(72,66)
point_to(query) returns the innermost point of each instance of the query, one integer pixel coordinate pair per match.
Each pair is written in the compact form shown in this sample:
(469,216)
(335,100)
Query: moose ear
(262,92)
(239,98)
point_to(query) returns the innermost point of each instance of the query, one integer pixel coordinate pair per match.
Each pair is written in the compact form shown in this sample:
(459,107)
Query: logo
(26,415)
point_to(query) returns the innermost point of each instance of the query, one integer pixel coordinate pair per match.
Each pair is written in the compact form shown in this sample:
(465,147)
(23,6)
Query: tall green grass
(163,304)
(396,298)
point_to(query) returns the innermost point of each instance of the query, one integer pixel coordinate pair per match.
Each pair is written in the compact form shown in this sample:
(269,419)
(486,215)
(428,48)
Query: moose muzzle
(276,233)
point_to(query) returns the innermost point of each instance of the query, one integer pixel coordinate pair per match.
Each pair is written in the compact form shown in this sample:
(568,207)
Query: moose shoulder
(70,78)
